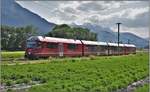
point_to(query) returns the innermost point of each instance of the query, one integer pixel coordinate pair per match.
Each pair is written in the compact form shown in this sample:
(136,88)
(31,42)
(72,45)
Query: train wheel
(36,58)
(32,57)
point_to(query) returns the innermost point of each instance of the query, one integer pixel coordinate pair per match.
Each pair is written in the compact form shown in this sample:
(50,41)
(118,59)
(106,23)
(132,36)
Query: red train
(38,46)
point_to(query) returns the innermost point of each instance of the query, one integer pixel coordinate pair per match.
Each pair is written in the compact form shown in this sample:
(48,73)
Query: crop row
(99,74)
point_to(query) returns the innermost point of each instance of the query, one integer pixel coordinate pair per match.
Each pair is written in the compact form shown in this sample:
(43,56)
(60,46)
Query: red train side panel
(38,46)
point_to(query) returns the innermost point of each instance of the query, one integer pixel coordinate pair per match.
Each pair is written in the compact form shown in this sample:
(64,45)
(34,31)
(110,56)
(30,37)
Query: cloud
(133,14)
(141,32)
(140,20)
(91,6)
(70,10)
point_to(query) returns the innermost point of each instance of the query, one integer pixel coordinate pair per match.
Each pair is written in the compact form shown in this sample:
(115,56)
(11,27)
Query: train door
(125,50)
(110,50)
(61,49)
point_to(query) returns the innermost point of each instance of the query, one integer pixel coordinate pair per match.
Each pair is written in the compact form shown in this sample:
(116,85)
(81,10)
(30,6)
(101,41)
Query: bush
(73,60)
(26,80)
(35,78)
(9,83)
(19,81)
(43,80)
(10,90)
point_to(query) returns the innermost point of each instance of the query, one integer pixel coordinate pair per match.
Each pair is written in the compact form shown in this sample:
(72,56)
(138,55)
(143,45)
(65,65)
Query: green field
(91,74)
(144,88)
(12,54)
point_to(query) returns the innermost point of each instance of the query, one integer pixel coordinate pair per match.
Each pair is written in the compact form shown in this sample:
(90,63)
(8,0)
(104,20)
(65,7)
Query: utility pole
(118,24)
(128,41)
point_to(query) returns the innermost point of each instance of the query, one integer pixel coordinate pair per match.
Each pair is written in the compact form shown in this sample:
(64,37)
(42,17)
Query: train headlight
(29,53)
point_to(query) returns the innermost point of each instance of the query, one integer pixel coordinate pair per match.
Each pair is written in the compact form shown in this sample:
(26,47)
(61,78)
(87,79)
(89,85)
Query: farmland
(144,88)
(86,74)
(12,55)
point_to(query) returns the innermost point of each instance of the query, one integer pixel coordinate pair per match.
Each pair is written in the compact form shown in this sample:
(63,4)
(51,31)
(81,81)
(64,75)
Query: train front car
(33,46)
(44,47)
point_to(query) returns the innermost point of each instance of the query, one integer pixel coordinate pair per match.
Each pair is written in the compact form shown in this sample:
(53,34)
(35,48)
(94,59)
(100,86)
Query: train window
(72,46)
(115,48)
(120,48)
(103,48)
(31,44)
(92,47)
(39,45)
(52,45)
(98,48)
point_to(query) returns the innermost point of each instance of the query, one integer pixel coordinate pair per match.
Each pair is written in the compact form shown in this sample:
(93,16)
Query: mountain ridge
(14,14)
(107,35)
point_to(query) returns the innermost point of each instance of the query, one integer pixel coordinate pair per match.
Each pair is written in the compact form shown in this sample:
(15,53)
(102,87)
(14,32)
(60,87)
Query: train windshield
(31,44)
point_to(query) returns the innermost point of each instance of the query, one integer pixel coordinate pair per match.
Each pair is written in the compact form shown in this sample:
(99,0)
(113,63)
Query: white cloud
(141,32)
(133,14)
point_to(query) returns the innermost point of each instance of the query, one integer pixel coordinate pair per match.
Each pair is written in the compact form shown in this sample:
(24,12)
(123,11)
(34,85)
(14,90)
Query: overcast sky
(132,14)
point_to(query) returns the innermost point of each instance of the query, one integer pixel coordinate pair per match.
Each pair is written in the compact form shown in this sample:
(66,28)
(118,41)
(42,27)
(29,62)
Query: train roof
(94,43)
(63,40)
(129,45)
(115,44)
(53,39)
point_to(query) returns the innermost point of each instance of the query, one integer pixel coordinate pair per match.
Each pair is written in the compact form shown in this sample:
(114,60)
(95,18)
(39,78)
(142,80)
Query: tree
(65,31)
(14,38)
